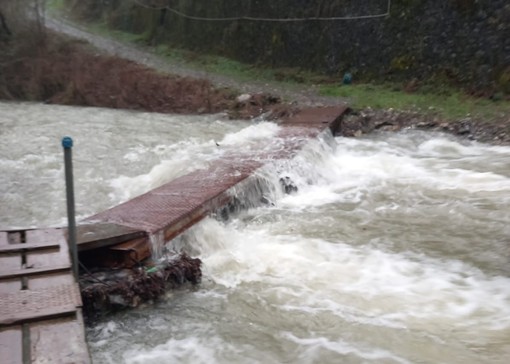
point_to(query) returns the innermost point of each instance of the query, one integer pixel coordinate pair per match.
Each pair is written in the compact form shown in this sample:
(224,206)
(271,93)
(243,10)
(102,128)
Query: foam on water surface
(116,156)
(394,248)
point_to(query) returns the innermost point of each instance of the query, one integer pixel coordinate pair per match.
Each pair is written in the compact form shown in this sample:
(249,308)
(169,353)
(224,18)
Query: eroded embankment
(61,71)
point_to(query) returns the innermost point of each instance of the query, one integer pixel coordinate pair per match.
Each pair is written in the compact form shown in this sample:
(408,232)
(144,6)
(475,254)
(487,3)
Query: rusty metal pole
(67,144)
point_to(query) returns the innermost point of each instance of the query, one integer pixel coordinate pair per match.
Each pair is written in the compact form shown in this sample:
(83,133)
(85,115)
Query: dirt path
(302,95)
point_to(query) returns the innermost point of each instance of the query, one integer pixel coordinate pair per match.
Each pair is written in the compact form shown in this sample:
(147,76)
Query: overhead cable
(281,20)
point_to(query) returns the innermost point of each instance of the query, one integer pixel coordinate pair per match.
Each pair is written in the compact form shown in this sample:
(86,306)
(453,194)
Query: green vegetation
(125,37)
(234,69)
(447,103)
(55,4)
(201,62)
(504,81)
(450,104)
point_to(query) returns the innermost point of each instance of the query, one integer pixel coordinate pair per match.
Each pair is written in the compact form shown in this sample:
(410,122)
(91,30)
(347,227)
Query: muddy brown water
(394,249)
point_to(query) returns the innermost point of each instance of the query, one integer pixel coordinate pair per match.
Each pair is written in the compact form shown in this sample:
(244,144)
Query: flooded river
(394,249)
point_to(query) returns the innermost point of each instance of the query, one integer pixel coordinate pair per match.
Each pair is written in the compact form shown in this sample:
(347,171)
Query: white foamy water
(117,155)
(394,249)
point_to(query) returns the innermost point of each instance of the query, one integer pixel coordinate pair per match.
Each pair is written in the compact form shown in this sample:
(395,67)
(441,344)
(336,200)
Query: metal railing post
(67,144)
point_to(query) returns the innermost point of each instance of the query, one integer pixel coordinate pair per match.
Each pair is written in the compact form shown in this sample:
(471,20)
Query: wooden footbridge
(40,315)
(40,304)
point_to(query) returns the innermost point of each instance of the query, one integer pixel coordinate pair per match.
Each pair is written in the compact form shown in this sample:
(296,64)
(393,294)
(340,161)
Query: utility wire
(281,20)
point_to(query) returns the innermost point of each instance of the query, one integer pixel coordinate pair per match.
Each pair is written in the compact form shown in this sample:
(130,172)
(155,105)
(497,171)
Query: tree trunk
(3,24)
(39,8)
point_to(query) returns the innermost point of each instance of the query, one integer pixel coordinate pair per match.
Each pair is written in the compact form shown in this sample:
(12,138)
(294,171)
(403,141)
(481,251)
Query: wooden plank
(33,271)
(26,304)
(52,327)
(41,259)
(45,236)
(13,248)
(14,237)
(182,202)
(3,238)
(12,261)
(10,285)
(11,345)
(44,259)
(124,255)
(59,341)
(9,262)
(49,280)
(93,236)
(21,317)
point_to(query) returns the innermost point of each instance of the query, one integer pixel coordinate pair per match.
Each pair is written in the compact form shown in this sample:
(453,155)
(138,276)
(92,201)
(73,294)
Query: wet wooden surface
(93,236)
(170,209)
(40,311)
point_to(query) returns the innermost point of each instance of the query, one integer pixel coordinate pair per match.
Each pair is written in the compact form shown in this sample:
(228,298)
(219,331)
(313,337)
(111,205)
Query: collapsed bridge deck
(170,209)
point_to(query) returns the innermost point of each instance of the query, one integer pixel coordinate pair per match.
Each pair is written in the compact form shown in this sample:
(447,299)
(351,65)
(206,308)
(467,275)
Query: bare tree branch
(3,24)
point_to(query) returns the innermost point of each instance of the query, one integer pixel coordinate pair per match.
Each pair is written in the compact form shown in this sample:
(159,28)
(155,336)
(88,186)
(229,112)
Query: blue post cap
(67,142)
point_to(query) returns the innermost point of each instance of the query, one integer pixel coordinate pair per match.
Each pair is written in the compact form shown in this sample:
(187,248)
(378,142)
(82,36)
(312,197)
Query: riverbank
(118,74)
(68,72)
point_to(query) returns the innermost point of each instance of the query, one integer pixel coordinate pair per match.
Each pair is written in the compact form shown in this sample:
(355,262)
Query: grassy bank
(445,102)
(450,104)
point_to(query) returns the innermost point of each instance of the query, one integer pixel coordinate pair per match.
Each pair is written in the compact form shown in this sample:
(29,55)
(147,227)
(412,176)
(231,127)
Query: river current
(394,249)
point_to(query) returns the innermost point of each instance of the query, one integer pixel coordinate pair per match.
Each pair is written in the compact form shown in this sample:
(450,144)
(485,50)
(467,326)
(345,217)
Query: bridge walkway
(40,303)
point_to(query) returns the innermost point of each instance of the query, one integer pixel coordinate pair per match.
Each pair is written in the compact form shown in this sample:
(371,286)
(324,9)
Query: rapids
(117,155)
(394,249)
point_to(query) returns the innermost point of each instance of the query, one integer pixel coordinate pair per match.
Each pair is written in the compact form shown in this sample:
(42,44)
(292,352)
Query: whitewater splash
(393,249)
(117,156)
(187,156)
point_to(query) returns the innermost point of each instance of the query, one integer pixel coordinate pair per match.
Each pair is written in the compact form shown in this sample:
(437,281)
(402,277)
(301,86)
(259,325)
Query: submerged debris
(288,185)
(106,290)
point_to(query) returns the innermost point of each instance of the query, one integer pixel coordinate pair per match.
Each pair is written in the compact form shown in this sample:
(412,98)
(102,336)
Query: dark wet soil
(72,73)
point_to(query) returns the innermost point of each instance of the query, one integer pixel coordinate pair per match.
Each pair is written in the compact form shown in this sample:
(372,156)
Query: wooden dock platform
(172,208)
(40,303)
